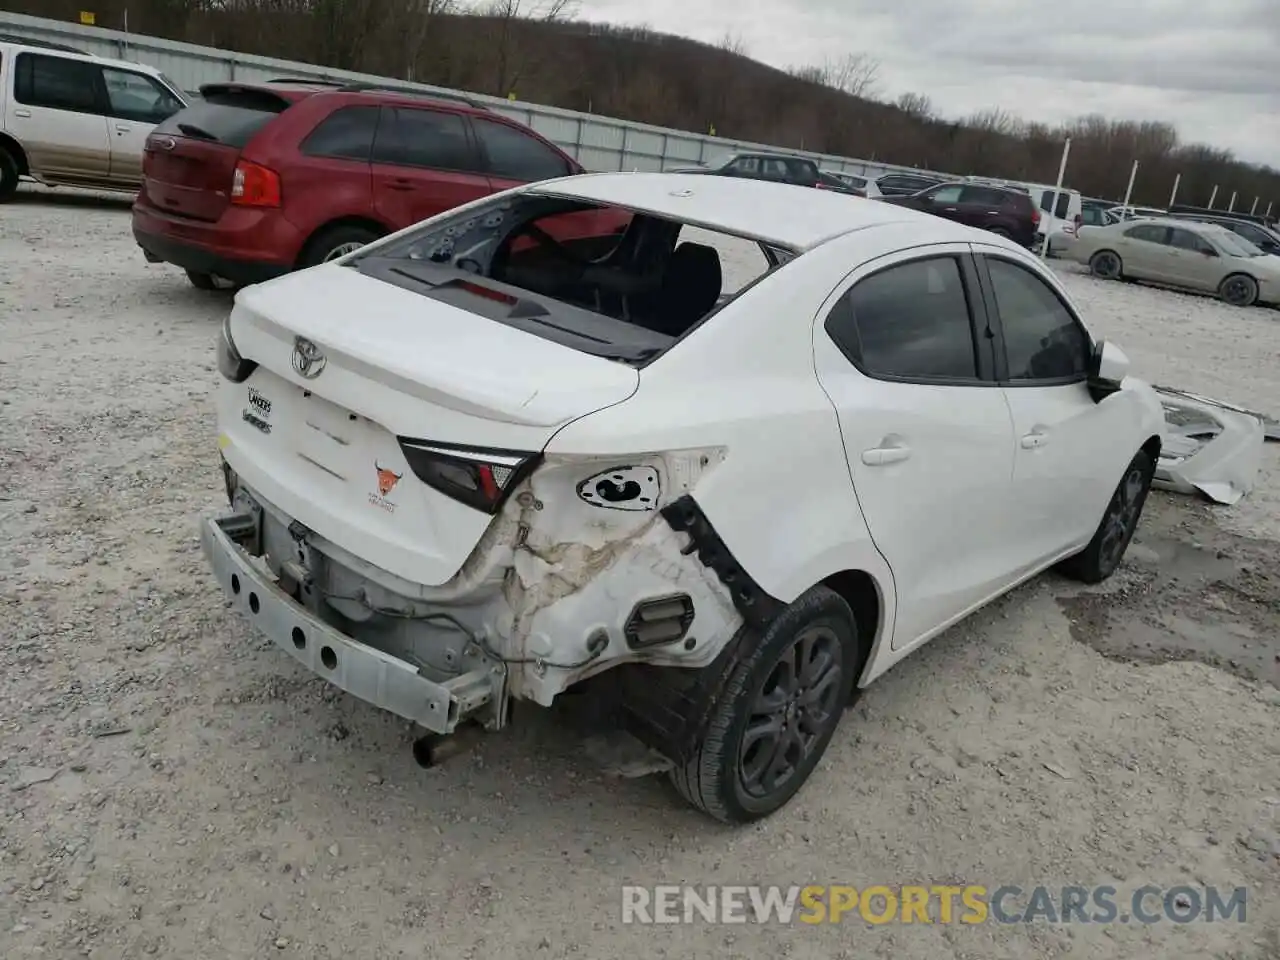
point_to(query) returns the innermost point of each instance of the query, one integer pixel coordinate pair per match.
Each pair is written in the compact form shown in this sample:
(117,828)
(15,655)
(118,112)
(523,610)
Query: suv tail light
(253,185)
(1035,216)
(479,477)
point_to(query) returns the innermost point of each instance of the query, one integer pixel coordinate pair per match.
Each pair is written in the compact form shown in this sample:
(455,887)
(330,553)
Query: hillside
(532,49)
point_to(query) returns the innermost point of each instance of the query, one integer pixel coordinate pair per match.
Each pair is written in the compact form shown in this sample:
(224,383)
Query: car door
(56,114)
(424,162)
(981,207)
(135,104)
(1145,251)
(1194,261)
(1070,450)
(940,201)
(901,350)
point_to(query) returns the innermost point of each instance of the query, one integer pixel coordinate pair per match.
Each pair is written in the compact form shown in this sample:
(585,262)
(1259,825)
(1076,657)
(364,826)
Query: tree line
(536,50)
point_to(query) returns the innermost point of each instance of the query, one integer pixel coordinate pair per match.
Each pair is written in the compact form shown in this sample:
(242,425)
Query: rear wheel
(1107,265)
(8,174)
(1100,558)
(1239,290)
(778,712)
(337,241)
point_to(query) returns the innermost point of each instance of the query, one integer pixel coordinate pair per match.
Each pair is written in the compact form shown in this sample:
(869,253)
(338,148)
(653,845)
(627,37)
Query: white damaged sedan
(556,436)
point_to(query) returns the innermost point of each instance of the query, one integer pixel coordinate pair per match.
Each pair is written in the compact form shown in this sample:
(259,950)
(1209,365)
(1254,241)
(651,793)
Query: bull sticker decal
(387,479)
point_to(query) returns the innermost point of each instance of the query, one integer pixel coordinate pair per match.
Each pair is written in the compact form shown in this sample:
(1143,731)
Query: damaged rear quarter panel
(579,568)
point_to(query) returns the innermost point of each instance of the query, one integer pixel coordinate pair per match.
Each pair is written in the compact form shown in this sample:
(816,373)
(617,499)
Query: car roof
(294,89)
(792,216)
(72,53)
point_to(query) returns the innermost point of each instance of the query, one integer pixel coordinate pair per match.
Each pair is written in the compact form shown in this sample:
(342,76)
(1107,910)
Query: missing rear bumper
(361,670)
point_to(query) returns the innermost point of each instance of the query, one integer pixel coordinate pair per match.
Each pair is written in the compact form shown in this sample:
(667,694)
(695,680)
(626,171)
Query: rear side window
(1042,340)
(516,156)
(417,137)
(1064,203)
(803,171)
(226,116)
(58,83)
(346,134)
(986,196)
(1147,233)
(908,322)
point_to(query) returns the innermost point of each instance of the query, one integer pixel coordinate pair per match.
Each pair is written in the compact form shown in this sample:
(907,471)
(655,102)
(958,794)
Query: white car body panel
(750,412)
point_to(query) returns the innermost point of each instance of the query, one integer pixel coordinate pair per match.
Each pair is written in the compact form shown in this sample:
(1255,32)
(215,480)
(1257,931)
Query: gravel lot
(170,786)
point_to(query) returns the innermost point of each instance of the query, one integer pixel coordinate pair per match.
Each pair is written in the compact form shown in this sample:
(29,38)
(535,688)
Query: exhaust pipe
(434,749)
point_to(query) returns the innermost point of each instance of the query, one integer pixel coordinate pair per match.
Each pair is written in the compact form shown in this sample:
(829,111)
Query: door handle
(951,209)
(22,113)
(1033,440)
(879,456)
(123,128)
(400,185)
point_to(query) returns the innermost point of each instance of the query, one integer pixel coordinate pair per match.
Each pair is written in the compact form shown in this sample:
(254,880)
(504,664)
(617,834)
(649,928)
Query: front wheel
(778,712)
(1239,290)
(8,175)
(1100,558)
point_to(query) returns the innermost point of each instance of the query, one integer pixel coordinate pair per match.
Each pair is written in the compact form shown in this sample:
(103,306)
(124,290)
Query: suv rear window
(1064,203)
(232,117)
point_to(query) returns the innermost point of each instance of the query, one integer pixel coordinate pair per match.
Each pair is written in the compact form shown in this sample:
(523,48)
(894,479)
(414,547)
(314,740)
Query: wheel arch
(861,591)
(14,148)
(352,220)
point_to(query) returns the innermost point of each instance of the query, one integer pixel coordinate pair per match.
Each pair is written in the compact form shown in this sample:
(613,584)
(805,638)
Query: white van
(70,119)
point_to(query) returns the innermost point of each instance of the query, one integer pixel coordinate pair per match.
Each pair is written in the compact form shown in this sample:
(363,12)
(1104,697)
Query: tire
(336,241)
(1107,265)
(1102,556)
(202,281)
(8,175)
(1239,290)
(720,778)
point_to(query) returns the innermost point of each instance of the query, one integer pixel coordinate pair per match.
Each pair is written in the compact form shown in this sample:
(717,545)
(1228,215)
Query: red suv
(257,179)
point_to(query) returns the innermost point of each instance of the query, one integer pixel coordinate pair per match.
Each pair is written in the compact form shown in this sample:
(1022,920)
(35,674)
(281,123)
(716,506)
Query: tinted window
(745,165)
(774,169)
(803,171)
(1042,340)
(228,117)
(1186,240)
(346,134)
(1149,233)
(1255,235)
(412,137)
(987,196)
(1064,203)
(133,96)
(1092,216)
(946,194)
(516,156)
(56,82)
(908,321)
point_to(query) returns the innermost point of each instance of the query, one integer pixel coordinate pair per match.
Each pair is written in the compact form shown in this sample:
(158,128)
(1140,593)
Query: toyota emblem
(308,361)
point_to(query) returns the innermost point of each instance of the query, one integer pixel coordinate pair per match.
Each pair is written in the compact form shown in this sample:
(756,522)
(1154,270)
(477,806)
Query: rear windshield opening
(225,115)
(605,280)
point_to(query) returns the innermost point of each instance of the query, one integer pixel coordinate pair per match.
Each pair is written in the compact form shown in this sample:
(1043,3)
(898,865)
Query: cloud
(1211,69)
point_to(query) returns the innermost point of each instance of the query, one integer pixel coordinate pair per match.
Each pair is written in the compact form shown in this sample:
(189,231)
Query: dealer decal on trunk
(387,480)
(258,410)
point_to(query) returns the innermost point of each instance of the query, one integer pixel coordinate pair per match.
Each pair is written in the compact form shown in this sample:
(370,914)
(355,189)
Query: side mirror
(1107,369)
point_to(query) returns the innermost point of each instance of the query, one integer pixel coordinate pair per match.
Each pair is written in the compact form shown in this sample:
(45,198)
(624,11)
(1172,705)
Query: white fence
(599,143)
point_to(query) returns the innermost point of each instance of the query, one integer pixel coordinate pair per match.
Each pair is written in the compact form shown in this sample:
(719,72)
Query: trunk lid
(396,365)
(190,159)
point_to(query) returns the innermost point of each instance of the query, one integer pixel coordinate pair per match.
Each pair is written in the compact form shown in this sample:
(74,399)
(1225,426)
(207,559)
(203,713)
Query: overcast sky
(1211,67)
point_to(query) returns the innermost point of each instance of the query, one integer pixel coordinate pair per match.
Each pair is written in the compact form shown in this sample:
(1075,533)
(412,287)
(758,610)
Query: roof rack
(41,44)
(410,92)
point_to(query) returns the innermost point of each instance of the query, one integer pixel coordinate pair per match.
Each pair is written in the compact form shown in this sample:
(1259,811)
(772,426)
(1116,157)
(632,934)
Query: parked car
(774,167)
(862,186)
(1120,212)
(257,179)
(906,184)
(1005,211)
(70,119)
(827,181)
(460,474)
(1265,239)
(1182,253)
(1262,219)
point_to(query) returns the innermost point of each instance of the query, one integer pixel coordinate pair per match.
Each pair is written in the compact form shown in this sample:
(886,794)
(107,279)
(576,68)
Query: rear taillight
(477,476)
(253,185)
(1035,217)
(230,364)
